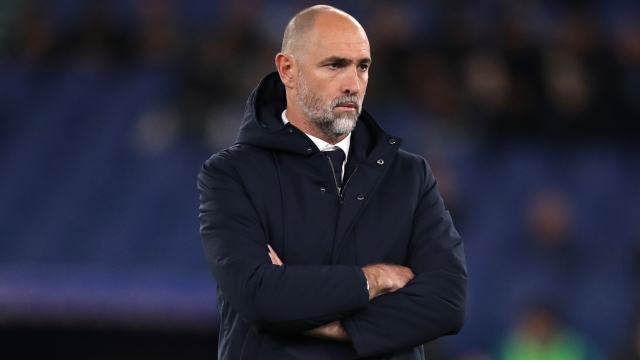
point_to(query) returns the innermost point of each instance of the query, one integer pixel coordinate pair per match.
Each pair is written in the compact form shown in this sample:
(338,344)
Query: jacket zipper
(341,195)
(340,190)
(333,171)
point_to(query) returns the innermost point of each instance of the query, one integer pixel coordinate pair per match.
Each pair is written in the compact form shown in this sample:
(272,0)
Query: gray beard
(321,115)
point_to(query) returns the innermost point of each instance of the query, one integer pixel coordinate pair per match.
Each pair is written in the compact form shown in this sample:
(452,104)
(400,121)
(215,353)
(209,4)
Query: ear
(287,68)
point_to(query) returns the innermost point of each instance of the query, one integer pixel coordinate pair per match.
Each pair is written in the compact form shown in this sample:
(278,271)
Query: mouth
(347,106)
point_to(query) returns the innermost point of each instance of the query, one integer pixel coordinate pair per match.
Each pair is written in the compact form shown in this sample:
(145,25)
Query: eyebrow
(342,60)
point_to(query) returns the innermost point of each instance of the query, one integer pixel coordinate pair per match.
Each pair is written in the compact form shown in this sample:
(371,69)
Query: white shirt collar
(344,144)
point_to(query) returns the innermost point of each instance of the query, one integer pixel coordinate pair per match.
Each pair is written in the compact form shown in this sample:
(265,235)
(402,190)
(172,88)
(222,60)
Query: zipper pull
(341,189)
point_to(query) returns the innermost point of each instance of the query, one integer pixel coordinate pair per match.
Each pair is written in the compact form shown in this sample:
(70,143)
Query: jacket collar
(262,126)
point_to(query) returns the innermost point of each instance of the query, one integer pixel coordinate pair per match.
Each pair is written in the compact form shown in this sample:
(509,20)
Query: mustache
(347,99)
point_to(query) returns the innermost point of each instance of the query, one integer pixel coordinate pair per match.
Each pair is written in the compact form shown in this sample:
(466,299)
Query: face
(333,117)
(333,75)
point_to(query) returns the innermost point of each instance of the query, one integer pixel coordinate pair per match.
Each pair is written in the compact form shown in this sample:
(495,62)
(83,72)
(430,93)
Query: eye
(333,66)
(363,67)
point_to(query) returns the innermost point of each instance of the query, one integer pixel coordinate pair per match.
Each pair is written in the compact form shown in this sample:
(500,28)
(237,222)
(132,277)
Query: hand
(330,331)
(275,260)
(385,278)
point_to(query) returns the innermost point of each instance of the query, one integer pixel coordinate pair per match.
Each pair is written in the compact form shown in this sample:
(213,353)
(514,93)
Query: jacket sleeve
(432,304)
(288,298)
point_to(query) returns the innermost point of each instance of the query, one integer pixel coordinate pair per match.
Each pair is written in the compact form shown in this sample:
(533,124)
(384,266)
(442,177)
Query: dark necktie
(337,158)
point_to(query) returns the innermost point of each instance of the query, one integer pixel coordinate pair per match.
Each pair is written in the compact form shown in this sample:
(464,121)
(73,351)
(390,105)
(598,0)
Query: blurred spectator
(34,39)
(488,86)
(98,42)
(569,90)
(550,220)
(390,29)
(431,85)
(548,258)
(591,94)
(549,250)
(158,37)
(522,65)
(540,335)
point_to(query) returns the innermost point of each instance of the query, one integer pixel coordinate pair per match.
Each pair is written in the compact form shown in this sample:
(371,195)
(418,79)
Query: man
(326,240)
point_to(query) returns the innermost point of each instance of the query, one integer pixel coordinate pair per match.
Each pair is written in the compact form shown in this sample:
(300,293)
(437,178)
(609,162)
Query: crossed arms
(381,279)
(404,307)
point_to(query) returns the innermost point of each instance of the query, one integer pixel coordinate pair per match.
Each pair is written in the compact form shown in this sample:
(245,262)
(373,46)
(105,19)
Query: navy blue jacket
(275,187)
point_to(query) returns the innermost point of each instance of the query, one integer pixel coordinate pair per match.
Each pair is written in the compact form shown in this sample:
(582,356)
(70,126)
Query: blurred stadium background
(528,111)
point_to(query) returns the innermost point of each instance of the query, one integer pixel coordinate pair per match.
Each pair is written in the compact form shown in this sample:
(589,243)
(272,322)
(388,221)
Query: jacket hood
(262,126)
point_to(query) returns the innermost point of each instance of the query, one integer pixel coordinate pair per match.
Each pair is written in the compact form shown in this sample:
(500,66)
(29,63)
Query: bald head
(299,29)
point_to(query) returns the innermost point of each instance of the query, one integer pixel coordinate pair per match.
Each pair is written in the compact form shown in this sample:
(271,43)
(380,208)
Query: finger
(275,260)
(275,255)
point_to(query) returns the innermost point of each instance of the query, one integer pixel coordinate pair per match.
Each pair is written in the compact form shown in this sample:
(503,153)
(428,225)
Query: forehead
(337,35)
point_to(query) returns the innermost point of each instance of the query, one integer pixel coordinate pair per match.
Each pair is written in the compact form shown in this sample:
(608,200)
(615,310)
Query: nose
(351,82)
